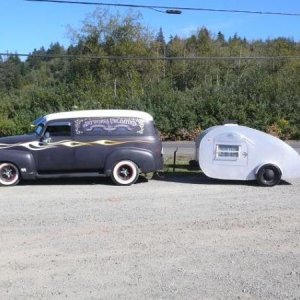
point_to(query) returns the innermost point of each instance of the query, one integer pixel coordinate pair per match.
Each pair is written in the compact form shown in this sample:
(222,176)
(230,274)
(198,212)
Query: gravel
(183,237)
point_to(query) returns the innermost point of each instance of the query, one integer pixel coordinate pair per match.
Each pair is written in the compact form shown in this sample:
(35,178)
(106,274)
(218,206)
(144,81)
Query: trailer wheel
(125,172)
(268,175)
(9,174)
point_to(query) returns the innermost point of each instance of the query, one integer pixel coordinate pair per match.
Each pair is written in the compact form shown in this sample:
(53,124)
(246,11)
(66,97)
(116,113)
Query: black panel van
(116,143)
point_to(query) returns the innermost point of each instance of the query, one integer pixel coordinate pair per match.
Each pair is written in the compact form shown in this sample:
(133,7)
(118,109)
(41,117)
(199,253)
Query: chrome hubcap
(125,172)
(8,173)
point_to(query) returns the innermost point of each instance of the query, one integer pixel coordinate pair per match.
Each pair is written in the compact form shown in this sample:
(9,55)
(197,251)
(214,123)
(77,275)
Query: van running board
(70,175)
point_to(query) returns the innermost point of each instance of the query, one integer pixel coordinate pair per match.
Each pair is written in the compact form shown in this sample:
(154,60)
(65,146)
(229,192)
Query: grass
(182,166)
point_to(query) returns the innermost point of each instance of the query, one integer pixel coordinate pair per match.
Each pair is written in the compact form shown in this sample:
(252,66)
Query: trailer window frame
(228,152)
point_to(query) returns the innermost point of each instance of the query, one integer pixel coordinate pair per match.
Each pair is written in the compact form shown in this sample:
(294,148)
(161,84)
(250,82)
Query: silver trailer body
(241,153)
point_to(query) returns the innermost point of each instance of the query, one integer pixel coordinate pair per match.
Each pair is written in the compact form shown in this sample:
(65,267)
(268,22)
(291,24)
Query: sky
(25,26)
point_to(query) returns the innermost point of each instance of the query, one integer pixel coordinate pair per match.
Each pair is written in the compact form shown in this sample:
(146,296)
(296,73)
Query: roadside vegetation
(184,96)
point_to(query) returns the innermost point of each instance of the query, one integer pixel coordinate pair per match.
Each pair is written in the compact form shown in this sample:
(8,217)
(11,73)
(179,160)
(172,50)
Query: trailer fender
(266,163)
(142,158)
(23,160)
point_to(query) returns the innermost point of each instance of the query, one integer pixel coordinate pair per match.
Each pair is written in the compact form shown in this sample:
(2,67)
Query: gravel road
(183,237)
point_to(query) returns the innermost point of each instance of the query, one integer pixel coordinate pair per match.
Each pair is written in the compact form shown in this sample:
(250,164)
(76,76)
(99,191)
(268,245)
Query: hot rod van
(241,153)
(116,143)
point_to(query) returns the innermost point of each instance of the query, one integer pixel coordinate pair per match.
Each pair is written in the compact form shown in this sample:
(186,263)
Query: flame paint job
(38,146)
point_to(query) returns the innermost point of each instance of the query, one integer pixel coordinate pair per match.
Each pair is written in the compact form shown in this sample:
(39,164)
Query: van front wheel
(125,172)
(268,175)
(9,174)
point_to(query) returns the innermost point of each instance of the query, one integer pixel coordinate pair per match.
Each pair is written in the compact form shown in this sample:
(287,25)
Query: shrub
(282,129)
(7,127)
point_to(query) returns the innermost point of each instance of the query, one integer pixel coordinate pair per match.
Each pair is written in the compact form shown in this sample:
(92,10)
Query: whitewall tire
(125,172)
(9,174)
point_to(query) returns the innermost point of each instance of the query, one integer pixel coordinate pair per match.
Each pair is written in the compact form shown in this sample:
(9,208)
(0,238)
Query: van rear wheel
(9,174)
(268,175)
(125,172)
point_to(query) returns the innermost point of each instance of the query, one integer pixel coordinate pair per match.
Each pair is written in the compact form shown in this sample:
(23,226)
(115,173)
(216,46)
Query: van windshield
(39,129)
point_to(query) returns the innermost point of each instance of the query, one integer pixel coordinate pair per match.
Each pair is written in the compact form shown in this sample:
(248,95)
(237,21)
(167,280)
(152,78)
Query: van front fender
(22,159)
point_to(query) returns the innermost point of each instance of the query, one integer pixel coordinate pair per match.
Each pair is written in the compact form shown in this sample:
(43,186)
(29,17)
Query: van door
(90,154)
(56,153)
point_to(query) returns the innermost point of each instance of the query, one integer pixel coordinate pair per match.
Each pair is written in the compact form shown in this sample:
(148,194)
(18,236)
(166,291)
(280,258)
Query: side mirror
(46,139)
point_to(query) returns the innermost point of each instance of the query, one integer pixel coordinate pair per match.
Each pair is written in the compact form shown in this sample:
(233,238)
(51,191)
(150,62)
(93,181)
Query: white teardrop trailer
(241,153)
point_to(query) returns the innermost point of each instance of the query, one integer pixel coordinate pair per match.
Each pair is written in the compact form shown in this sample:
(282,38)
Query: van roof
(97,113)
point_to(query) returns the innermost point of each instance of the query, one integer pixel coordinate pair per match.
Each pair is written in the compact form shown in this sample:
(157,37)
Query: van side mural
(109,126)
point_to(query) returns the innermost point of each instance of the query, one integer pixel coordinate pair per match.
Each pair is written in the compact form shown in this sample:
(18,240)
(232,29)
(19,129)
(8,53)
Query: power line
(152,58)
(172,8)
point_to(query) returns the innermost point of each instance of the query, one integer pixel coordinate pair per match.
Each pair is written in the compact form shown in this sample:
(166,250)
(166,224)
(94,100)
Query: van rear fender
(22,159)
(144,159)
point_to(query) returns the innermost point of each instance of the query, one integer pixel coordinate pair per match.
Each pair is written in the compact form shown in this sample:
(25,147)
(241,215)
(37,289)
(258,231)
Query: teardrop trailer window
(227,152)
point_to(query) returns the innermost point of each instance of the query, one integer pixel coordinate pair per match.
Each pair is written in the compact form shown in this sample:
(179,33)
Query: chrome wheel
(125,173)
(9,174)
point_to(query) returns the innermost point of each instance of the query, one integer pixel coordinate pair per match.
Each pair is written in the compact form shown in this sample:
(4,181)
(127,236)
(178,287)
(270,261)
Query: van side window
(58,130)
(227,152)
(114,126)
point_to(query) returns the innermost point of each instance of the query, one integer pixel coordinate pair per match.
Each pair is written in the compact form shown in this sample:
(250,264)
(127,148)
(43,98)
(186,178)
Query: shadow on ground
(76,181)
(178,176)
(198,177)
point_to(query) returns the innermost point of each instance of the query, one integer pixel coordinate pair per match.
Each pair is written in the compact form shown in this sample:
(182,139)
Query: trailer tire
(9,174)
(125,172)
(268,175)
